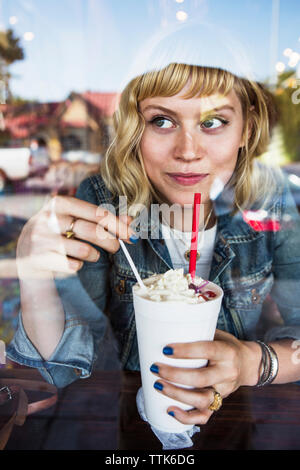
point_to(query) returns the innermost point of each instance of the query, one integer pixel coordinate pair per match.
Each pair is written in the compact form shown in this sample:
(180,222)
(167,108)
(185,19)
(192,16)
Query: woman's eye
(162,123)
(213,123)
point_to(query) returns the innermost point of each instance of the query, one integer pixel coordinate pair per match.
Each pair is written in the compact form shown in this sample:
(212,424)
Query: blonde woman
(179,130)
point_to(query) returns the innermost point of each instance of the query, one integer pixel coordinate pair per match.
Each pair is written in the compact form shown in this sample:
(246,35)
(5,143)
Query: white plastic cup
(162,323)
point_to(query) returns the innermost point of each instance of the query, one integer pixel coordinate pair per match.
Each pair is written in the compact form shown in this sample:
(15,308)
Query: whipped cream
(173,285)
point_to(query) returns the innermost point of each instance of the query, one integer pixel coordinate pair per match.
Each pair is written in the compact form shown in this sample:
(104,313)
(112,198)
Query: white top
(178,242)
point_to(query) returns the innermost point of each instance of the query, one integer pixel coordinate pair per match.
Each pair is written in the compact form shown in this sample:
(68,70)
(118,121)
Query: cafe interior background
(63,64)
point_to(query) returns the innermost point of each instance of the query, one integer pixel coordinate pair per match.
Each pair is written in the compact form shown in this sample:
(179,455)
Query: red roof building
(82,121)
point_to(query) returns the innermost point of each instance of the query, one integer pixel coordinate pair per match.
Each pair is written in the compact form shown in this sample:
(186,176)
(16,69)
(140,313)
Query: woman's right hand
(43,248)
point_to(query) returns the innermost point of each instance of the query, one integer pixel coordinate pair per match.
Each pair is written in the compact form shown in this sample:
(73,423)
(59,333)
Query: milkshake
(173,308)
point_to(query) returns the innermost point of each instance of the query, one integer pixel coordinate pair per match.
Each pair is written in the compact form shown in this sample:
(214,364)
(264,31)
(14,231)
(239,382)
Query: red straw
(195,231)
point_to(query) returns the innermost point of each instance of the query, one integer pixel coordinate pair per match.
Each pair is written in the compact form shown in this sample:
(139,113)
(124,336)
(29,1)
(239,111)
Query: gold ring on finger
(69,233)
(217,401)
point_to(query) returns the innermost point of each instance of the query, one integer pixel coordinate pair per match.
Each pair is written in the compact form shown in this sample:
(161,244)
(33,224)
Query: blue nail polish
(134,238)
(158,386)
(168,351)
(171,413)
(154,368)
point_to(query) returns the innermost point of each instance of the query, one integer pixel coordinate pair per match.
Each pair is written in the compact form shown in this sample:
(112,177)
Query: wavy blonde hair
(122,168)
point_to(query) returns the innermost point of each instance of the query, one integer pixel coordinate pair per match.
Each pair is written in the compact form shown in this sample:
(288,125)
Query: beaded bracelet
(269,364)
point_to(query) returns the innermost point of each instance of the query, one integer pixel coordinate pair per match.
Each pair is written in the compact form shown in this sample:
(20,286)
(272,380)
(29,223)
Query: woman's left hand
(231,363)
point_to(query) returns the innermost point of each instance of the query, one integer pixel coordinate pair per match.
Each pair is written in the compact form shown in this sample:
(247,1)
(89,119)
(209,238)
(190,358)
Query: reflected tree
(10,52)
(289,112)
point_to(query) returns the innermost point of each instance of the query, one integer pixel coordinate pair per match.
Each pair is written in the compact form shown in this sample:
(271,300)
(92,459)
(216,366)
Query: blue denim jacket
(100,327)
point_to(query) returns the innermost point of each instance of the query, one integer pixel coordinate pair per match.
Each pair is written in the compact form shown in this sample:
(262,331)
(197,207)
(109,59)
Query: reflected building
(81,123)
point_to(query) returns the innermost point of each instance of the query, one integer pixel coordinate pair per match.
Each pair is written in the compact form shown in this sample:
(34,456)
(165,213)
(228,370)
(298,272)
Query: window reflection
(62,67)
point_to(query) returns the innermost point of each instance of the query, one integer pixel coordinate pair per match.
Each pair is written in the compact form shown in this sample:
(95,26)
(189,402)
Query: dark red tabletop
(100,413)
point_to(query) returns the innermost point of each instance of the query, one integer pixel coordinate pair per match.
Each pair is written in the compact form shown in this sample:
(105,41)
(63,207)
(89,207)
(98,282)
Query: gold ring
(217,402)
(69,233)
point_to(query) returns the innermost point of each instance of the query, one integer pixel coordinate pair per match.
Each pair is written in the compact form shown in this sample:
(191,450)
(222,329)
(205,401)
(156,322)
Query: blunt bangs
(202,81)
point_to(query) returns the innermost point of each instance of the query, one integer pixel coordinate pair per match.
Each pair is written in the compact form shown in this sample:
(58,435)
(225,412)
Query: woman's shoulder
(268,185)
(271,186)
(93,189)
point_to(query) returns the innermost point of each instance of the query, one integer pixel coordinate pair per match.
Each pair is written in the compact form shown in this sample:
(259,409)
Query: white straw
(142,285)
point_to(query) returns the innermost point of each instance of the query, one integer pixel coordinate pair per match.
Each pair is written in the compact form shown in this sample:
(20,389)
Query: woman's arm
(42,314)
(60,318)
(42,251)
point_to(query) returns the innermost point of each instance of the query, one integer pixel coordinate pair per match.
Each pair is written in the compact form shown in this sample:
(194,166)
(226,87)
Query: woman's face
(188,143)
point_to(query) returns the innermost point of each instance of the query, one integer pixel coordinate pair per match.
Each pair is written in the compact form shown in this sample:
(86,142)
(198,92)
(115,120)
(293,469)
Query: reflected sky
(90,44)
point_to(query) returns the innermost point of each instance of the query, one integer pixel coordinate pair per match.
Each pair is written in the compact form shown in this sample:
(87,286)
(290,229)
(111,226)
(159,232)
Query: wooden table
(100,413)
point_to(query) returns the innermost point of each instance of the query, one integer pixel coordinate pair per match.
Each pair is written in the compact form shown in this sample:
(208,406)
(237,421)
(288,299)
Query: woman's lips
(188,179)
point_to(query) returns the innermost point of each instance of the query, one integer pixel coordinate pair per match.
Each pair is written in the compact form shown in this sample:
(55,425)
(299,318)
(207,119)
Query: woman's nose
(187,146)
